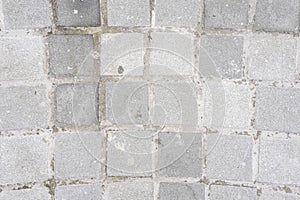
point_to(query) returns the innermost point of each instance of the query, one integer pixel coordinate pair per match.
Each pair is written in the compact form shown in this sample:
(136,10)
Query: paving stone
(268,194)
(26,58)
(179,155)
(221,56)
(122,54)
(171,53)
(229,157)
(79,192)
(77,155)
(76,104)
(277,15)
(227,104)
(28,194)
(177,13)
(127,103)
(26,14)
(128,190)
(129,153)
(125,13)
(219,192)
(78,13)
(226,14)
(279,160)
(24,159)
(23,107)
(272,57)
(181,191)
(71,55)
(277,109)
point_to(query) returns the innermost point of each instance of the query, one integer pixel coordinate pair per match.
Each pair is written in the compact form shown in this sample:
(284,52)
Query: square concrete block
(171,53)
(177,13)
(79,192)
(122,54)
(272,57)
(76,104)
(277,15)
(24,159)
(279,160)
(23,107)
(220,192)
(28,194)
(175,103)
(227,105)
(77,155)
(26,58)
(78,13)
(26,14)
(229,157)
(129,153)
(226,14)
(181,191)
(125,13)
(277,109)
(71,55)
(179,155)
(221,56)
(127,103)
(128,190)
(275,194)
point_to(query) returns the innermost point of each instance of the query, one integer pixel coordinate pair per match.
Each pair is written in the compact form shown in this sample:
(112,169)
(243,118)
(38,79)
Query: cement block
(79,192)
(181,191)
(28,194)
(220,192)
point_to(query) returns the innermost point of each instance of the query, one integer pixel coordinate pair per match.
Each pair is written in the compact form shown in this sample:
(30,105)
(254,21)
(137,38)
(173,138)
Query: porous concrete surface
(149,99)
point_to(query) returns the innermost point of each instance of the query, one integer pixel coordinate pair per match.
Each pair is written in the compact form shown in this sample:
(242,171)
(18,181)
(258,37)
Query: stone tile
(275,194)
(28,194)
(79,192)
(219,192)
(181,191)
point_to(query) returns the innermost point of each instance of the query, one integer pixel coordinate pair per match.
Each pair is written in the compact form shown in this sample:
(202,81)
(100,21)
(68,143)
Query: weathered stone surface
(79,192)
(219,192)
(181,191)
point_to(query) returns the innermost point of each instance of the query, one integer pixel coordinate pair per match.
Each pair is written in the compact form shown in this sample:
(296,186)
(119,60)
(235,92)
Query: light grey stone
(220,192)
(77,155)
(26,14)
(181,191)
(277,109)
(72,55)
(24,159)
(229,157)
(76,105)
(226,14)
(177,13)
(272,57)
(128,13)
(79,192)
(28,194)
(221,56)
(271,194)
(277,15)
(179,155)
(78,13)
(129,153)
(23,107)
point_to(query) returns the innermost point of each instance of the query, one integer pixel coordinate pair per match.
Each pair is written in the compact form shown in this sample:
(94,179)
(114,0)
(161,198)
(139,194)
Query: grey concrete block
(220,192)
(272,57)
(181,191)
(221,56)
(129,153)
(122,54)
(128,190)
(277,15)
(77,155)
(179,155)
(273,194)
(277,109)
(28,194)
(228,14)
(72,55)
(279,159)
(26,58)
(79,192)
(78,13)
(123,13)
(229,157)
(26,14)
(23,107)
(127,103)
(24,159)
(76,104)
(177,13)
(171,53)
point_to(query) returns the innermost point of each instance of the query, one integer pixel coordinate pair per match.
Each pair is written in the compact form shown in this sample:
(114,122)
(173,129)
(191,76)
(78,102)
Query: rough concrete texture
(181,191)
(28,194)
(219,192)
(79,192)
